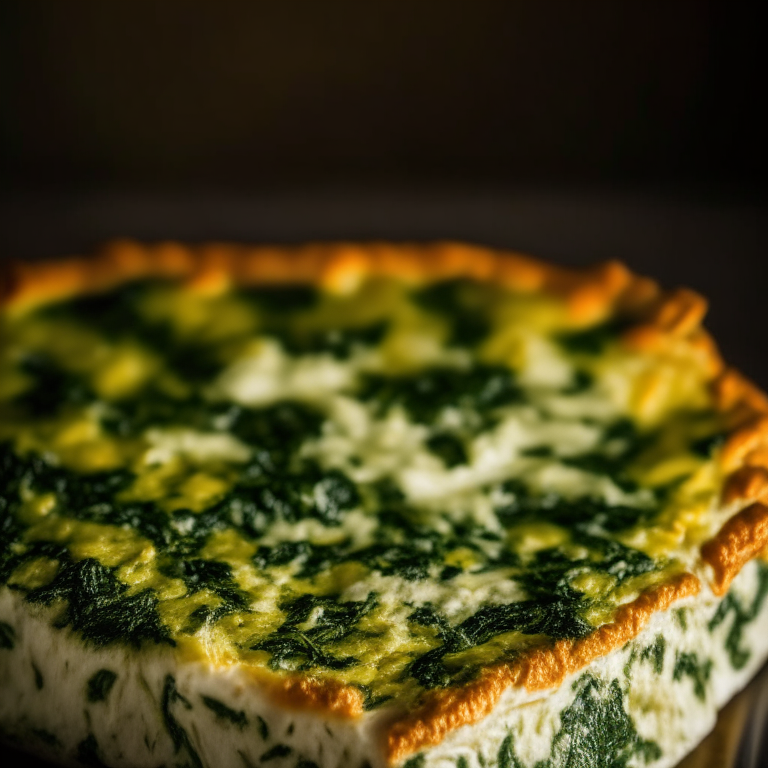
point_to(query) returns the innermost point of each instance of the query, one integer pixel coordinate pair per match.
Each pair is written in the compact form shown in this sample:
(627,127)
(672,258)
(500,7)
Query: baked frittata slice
(422,506)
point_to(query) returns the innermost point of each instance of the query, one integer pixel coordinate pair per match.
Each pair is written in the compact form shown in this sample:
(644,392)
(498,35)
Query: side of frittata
(365,503)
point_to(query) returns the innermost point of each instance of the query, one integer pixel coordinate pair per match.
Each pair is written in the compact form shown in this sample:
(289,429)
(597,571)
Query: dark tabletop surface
(716,244)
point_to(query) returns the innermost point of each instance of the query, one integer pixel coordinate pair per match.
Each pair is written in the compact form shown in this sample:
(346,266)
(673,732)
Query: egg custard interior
(391,487)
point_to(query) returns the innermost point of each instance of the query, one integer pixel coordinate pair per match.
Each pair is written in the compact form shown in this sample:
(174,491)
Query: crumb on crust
(657,320)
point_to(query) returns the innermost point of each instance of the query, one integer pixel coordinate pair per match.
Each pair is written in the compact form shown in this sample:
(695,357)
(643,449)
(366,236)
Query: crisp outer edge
(658,318)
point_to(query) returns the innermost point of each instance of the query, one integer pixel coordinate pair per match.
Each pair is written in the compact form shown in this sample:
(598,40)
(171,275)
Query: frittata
(426,506)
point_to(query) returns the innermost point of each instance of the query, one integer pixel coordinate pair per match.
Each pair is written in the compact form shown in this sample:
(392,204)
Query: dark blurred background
(576,130)
(237,94)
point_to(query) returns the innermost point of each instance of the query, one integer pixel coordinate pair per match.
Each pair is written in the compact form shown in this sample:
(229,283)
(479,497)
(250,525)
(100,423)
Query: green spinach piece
(293,648)
(340,343)
(7,637)
(613,467)
(581,514)
(179,737)
(223,712)
(99,685)
(278,429)
(742,615)
(594,340)
(52,388)
(98,609)
(481,389)
(261,497)
(281,299)
(194,362)
(688,664)
(370,701)
(506,756)
(556,616)
(616,464)
(11,474)
(449,448)
(114,312)
(152,407)
(213,575)
(402,547)
(538,452)
(655,653)
(450,572)
(706,446)
(279,750)
(470,324)
(48,738)
(216,577)
(582,381)
(76,494)
(88,753)
(550,572)
(116,315)
(388,558)
(39,681)
(595,730)
(428,669)
(10,534)
(288,552)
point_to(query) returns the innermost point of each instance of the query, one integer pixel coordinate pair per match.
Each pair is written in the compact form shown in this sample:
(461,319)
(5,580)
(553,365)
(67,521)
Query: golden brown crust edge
(588,292)
(592,294)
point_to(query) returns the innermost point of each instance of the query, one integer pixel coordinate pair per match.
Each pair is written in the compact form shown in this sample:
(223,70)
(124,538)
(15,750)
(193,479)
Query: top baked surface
(389,479)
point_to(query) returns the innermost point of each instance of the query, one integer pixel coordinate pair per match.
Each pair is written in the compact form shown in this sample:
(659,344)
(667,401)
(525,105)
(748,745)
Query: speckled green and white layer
(390,489)
(123,707)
